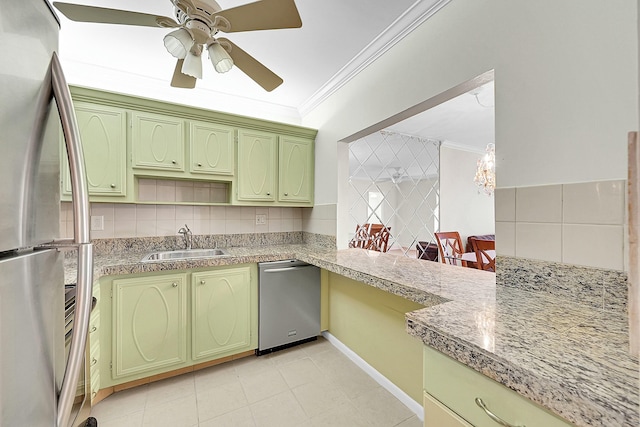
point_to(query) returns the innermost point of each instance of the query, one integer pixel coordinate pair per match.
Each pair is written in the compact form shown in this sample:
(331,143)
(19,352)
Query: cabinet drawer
(457,387)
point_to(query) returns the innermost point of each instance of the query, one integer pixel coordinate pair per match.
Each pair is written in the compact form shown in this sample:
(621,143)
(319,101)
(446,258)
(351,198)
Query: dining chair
(450,247)
(374,237)
(484,261)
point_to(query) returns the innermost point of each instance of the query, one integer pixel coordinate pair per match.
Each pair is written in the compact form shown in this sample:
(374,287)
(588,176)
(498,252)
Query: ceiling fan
(197,22)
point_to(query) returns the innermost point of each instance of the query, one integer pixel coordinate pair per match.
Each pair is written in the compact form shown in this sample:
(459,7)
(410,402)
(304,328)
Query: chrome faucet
(187,236)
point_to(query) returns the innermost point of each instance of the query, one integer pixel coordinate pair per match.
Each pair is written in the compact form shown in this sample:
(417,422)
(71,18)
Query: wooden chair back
(484,260)
(450,248)
(374,237)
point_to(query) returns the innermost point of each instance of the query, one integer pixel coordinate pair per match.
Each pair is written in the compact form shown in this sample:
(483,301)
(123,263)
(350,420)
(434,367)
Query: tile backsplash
(150,220)
(580,224)
(138,220)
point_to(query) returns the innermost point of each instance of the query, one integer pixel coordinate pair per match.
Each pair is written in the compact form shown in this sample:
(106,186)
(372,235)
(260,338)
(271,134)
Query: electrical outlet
(261,219)
(97,222)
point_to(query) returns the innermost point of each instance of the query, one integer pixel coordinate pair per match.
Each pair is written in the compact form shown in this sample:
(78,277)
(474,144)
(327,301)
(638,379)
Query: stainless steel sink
(185,254)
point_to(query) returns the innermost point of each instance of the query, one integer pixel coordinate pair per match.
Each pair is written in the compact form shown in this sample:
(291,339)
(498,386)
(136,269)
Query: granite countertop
(569,358)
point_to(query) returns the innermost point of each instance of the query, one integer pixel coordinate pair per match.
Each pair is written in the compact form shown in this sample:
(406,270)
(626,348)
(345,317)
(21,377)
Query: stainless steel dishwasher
(289,304)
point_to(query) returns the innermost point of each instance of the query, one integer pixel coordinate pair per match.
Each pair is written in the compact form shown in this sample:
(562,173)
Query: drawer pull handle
(493,416)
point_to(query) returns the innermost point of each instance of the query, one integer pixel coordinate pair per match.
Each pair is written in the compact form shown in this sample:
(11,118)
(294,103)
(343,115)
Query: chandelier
(485,177)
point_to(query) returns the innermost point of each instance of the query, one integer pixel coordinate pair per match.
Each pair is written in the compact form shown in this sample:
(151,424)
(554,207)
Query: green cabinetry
(211,148)
(104,138)
(157,142)
(270,164)
(257,166)
(156,323)
(149,324)
(127,138)
(451,390)
(295,182)
(220,312)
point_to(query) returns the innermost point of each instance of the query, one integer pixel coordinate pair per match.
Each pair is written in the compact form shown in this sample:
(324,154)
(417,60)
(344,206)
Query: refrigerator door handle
(82,239)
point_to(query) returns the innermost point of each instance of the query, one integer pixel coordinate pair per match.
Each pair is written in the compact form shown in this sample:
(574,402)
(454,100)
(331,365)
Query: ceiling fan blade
(252,67)
(261,15)
(81,13)
(182,80)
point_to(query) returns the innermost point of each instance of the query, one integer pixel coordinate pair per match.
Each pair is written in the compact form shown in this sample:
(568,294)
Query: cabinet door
(211,147)
(257,165)
(149,324)
(104,138)
(295,170)
(221,312)
(157,142)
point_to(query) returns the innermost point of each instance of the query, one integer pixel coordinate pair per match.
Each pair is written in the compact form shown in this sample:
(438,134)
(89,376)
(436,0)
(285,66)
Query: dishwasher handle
(278,270)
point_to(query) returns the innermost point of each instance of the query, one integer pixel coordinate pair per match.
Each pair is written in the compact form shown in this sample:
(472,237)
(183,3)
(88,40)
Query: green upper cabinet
(220,312)
(104,138)
(149,325)
(211,148)
(295,182)
(257,166)
(157,142)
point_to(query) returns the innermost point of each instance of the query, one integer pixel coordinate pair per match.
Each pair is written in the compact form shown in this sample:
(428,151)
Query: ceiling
(338,38)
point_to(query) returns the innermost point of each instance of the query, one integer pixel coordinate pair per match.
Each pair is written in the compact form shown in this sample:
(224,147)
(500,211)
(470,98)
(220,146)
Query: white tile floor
(308,385)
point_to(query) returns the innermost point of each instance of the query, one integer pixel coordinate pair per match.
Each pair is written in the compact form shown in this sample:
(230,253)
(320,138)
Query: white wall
(462,208)
(566,87)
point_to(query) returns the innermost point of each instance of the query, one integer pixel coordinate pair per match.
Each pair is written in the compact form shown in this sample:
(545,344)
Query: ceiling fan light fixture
(192,65)
(220,58)
(179,43)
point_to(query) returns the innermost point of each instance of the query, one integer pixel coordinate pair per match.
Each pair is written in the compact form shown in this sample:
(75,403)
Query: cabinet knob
(199,165)
(174,284)
(174,162)
(286,194)
(113,186)
(93,361)
(93,329)
(202,282)
(268,194)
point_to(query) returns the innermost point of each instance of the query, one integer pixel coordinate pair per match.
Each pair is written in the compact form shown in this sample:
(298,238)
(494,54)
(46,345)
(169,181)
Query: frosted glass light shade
(178,43)
(220,59)
(192,66)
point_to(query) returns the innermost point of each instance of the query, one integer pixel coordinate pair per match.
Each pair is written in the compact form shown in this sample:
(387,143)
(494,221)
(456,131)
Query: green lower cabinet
(221,312)
(149,324)
(452,388)
(161,322)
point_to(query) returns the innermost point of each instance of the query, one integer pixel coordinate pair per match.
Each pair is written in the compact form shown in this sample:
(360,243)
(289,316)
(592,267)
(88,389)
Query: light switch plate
(97,222)
(261,219)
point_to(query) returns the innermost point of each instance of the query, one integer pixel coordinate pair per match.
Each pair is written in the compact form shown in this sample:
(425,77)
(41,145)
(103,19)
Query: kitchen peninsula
(568,358)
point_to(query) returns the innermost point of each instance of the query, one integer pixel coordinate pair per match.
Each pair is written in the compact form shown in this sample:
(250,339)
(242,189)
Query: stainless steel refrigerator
(37,381)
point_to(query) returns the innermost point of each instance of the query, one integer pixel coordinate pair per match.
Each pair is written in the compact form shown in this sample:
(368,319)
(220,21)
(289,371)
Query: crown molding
(462,147)
(418,13)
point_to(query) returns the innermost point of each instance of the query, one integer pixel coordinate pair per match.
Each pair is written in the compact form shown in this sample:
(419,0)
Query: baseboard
(377,376)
